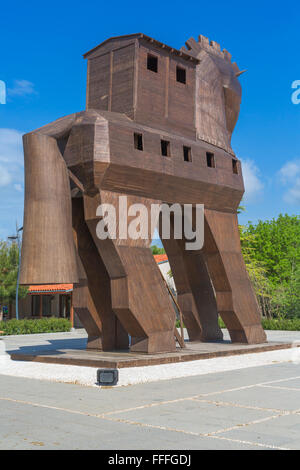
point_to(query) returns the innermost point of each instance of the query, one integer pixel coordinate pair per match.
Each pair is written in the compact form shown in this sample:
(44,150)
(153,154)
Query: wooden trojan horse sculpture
(157,128)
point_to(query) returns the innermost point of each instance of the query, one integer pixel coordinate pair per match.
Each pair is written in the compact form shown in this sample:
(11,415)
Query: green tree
(256,271)
(157,251)
(277,245)
(9,259)
(274,246)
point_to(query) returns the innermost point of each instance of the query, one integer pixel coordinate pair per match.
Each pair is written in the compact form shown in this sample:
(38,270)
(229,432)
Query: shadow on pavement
(53,347)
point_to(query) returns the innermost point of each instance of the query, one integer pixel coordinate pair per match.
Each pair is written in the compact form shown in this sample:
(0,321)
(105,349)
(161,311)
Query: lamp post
(17,237)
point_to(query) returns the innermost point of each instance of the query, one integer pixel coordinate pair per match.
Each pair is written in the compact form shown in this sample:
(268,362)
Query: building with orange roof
(55,300)
(161,258)
(51,300)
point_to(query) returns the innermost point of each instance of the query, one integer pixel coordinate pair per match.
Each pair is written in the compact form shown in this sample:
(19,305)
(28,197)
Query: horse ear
(48,251)
(240,72)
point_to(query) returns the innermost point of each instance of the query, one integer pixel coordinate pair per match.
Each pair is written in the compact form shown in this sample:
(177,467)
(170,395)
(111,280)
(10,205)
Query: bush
(270,324)
(281,324)
(275,324)
(43,325)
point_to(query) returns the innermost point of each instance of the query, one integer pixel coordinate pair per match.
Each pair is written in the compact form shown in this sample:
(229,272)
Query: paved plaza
(249,408)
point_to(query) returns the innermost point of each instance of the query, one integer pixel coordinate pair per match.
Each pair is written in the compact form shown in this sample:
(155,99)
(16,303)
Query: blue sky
(41,63)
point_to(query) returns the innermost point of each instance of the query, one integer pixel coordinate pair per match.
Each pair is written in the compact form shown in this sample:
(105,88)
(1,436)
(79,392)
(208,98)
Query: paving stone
(280,432)
(197,417)
(263,397)
(23,428)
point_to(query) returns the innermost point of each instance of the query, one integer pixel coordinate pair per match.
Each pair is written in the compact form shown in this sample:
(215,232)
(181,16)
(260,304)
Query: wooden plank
(124,360)
(179,337)
(76,181)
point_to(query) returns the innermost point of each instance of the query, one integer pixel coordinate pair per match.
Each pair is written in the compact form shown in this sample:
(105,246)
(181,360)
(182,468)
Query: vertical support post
(18,278)
(66,305)
(41,305)
(71,310)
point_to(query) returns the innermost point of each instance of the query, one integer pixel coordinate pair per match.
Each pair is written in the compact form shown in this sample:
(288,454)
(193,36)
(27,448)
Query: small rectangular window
(152,63)
(138,141)
(234,166)
(165,148)
(210,159)
(187,154)
(180,74)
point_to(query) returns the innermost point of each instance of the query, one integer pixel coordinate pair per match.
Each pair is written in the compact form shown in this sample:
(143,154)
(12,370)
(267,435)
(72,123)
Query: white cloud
(11,157)
(290,176)
(252,181)
(2,92)
(11,180)
(18,187)
(11,148)
(21,88)
(5,177)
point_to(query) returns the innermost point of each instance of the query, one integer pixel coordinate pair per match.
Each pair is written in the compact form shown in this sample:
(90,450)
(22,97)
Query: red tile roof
(160,258)
(44,288)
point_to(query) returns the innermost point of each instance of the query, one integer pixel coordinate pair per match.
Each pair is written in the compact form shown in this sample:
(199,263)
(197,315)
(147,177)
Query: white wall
(164,267)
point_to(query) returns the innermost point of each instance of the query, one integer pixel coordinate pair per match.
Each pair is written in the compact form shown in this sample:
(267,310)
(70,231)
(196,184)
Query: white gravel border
(134,375)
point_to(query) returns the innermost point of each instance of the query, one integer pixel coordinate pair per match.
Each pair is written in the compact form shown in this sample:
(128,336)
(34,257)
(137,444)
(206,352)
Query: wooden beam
(180,338)
(76,181)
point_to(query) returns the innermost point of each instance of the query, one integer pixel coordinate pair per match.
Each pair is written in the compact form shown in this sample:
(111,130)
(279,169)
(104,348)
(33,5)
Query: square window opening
(165,148)
(210,159)
(138,141)
(180,75)
(152,63)
(234,166)
(187,154)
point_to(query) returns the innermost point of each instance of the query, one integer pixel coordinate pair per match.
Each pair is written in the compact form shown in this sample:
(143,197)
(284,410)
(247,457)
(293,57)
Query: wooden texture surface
(236,301)
(123,359)
(183,101)
(47,237)
(92,298)
(147,314)
(195,292)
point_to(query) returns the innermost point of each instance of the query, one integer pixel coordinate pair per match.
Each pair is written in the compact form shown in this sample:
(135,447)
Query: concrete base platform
(194,351)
